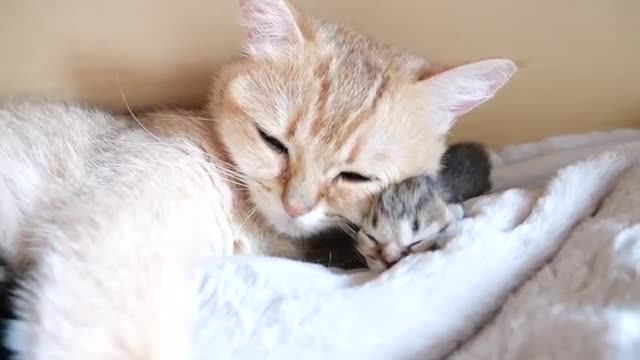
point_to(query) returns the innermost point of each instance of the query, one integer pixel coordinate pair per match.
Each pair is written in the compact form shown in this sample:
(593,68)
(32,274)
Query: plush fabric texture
(582,305)
(429,304)
(585,303)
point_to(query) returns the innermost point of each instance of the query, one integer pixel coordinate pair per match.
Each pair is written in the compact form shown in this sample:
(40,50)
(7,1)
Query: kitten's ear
(459,90)
(270,25)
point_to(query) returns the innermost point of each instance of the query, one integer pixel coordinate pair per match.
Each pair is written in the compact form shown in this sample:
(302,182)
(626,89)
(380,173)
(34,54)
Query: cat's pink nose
(296,208)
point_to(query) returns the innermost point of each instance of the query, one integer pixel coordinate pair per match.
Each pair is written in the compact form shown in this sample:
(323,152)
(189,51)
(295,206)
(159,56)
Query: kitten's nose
(296,208)
(392,254)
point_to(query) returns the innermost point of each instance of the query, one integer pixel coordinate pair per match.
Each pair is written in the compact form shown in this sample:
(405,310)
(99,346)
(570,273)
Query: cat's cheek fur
(351,202)
(250,155)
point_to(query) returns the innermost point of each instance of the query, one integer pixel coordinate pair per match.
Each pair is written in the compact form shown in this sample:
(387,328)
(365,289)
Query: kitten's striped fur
(413,215)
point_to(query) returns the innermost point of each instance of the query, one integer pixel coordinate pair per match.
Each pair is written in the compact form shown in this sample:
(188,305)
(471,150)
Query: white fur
(269,308)
(131,291)
(116,219)
(117,282)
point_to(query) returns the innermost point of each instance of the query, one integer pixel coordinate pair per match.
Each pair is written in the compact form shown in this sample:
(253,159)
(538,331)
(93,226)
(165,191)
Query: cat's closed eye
(275,144)
(353,177)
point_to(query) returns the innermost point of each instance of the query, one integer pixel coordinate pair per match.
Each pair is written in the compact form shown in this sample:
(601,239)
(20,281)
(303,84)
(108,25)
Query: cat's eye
(272,142)
(372,238)
(353,177)
(431,247)
(414,244)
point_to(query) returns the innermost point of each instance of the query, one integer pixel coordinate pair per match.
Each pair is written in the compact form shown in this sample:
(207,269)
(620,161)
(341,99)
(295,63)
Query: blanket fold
(429,304)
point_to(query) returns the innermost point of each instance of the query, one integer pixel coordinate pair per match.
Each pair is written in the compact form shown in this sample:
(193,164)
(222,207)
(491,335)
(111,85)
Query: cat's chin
(304,226)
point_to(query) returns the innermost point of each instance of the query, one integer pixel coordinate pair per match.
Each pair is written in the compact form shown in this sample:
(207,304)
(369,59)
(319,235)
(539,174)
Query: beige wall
(582,68)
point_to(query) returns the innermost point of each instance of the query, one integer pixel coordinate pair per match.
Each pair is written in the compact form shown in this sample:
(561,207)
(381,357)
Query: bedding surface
(490,294)
(581,305)
(585,303)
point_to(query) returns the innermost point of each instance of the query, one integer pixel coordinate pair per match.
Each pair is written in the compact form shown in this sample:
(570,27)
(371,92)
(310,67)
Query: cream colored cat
(107,215)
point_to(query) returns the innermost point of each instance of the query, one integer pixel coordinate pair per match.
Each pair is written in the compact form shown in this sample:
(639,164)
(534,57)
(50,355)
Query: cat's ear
(270,25)
(457,91)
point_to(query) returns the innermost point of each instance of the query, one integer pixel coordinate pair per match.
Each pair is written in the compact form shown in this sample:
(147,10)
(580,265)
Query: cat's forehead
(339,68)
(339,102)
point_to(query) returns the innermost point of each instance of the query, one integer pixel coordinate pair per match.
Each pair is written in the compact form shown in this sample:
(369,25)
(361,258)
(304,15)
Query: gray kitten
(414,215)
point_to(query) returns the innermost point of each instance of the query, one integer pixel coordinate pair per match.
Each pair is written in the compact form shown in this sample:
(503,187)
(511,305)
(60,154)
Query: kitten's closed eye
(372,238)
(414,244)
(421,246)
(417,244)
(272,142)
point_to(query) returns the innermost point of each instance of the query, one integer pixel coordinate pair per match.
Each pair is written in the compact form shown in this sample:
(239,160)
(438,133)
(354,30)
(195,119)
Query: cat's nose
(296,208)
(392,254)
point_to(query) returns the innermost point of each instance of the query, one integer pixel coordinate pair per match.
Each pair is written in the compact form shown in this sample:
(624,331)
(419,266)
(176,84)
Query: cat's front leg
(113,275)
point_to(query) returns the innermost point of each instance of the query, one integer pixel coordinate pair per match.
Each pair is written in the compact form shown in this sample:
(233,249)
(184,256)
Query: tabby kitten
(414,215)
(109,215)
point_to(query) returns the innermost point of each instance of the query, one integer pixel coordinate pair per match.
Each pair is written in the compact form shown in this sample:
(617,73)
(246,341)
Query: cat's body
(107,216)
(413,215)
(103,209)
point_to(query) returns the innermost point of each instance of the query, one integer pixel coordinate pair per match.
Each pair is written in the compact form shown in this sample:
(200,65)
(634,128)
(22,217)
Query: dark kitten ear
(271,26)
(454,92)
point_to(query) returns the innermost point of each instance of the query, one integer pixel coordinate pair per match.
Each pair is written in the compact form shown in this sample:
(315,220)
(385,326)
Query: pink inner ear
(268,23)
(464,88)
(499,76)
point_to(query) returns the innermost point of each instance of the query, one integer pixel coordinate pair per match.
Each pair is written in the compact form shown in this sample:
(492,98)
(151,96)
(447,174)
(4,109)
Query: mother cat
(108,215)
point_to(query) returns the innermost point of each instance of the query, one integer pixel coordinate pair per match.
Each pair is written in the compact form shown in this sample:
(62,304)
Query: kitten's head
(410,217)
(318,119)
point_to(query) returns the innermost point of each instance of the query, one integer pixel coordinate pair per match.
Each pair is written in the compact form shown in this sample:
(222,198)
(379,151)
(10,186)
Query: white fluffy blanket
(584,304)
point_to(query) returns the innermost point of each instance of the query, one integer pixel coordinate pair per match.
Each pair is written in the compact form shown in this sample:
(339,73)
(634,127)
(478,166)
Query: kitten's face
(318,119)
(387,235)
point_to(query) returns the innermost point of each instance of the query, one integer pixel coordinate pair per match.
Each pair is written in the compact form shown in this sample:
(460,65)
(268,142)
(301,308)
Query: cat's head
(318,119)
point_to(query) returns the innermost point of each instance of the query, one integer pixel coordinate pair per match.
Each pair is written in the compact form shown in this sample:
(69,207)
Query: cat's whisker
(348,230)
(181,117)
(359,256)
(249,215)
(126,103)
(240,184)
(218,168)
